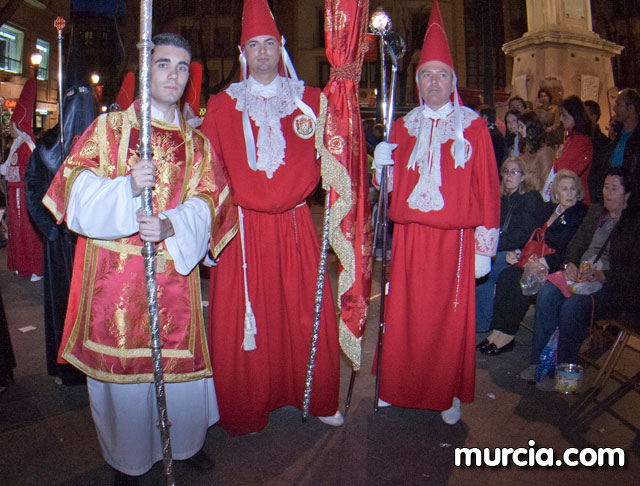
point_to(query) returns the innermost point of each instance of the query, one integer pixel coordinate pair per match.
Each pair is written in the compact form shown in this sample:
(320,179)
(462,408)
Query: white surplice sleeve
(102,208)
(192,226)
(106,209)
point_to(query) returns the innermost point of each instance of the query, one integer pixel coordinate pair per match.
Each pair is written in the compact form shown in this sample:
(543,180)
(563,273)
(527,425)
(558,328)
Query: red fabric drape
(341,144)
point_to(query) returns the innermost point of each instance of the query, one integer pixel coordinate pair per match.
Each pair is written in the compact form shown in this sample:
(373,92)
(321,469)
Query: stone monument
(561,52)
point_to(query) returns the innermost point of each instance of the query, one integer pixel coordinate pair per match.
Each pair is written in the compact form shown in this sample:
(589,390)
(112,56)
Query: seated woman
(563,216)
(518,209)
(538,158)
(578,147)
(616,247)
(512,137)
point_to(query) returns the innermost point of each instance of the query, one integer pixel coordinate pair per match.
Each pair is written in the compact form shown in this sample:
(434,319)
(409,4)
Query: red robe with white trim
(428,356)
(282,253)
(24,250)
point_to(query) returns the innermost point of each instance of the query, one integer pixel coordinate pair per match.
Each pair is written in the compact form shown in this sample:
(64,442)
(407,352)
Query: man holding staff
(445,207)
(263,287)
(106,331)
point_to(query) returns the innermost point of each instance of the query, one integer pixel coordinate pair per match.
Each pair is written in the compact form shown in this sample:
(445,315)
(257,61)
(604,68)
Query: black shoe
(493,350)
(200,461)
(483,345)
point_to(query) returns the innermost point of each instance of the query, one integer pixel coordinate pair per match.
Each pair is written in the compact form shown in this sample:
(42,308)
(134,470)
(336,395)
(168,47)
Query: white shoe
(35,278)
(382,403)
(454,414)
(336,420)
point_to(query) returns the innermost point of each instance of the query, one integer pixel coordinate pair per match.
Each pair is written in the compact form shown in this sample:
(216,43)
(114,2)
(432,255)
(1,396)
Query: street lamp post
(36,59)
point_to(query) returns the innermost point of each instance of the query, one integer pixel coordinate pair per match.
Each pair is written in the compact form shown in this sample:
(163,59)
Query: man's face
(169,75)
(436,83)
(263,55)
(620,108)
(517,105)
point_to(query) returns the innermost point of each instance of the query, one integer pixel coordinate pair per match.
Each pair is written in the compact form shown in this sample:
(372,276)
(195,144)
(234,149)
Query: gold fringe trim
(335,176)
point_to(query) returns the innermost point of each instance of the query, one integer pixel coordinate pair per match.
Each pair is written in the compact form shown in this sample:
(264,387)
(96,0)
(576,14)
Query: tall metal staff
(149,250)
(59,24)
(381,26)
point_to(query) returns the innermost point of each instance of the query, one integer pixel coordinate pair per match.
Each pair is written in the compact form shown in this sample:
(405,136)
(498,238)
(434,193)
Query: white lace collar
(432,128)
(266,105)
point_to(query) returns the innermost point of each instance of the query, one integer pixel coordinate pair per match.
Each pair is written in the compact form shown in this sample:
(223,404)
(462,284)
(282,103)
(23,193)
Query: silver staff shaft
(60,95)
(149,250)
(322,267)
(383,205)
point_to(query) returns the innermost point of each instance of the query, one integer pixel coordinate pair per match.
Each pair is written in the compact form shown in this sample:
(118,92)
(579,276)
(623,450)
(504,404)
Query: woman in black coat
(519,207)
(560,218)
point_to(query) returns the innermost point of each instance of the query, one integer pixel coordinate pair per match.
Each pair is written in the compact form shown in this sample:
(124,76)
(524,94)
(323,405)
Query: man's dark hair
(171,39)
(545,91)
(517,98)
(594,108)
(632,97)
(574,106)
(489,112)
(623,174)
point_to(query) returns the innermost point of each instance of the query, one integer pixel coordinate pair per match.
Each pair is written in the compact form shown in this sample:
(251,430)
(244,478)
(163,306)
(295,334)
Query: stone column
(561,52)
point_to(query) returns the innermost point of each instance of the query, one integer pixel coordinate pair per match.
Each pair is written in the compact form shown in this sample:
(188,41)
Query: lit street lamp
(36,59)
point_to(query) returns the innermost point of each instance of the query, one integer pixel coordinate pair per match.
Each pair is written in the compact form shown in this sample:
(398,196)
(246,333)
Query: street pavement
(47,436)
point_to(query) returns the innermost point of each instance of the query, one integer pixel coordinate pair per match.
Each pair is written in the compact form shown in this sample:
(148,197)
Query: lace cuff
(486,241)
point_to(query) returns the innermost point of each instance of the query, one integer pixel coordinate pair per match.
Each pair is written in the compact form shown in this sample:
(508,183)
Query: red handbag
(535,247)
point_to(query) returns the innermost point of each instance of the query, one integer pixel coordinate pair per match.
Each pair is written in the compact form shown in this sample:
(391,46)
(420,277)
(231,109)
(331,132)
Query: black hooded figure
(59,242)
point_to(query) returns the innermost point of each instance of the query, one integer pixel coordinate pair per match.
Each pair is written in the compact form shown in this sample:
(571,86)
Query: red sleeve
(576,155)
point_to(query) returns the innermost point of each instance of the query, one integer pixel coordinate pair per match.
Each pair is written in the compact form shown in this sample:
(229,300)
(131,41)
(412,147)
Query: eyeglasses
(512,171)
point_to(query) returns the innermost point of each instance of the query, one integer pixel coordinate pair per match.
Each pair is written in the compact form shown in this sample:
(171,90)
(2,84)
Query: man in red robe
(24,252)
(262,289)
(445,207)
(98,190)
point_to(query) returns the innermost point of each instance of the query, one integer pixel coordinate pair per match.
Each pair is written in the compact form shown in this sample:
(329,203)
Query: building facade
(29,30)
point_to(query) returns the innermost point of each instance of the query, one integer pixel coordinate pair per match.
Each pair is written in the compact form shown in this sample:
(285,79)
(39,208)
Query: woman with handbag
(611,267)
(519,206)
(562,217)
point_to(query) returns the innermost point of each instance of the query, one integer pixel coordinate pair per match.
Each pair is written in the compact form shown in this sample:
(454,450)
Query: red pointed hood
(127,91)
(191,93)
(436,46)
(23,112)
(257,19)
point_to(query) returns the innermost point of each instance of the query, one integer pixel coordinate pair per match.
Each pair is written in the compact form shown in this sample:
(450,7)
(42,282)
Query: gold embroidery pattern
(336,177)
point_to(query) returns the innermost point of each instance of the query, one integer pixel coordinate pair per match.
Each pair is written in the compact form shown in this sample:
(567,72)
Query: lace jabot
(266,106)
(431,129)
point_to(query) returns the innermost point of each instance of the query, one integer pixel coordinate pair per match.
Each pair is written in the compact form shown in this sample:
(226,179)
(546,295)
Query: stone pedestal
(561,52)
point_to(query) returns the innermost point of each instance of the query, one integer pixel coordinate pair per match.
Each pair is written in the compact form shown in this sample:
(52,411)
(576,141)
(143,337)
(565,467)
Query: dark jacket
(624,260)
(518,218)
(582,239)
(599,164)
(559,234)
(631,160)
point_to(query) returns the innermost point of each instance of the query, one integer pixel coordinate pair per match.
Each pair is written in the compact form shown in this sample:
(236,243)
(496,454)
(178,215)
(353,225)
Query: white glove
(382,155)
(483,265)
(3,168)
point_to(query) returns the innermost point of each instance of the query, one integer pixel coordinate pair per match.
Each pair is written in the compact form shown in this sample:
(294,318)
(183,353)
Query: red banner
(340,142)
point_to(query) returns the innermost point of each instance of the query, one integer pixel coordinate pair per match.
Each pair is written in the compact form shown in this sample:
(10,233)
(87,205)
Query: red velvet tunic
(24,249)
(282,254)
(428,356)
(106,333)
